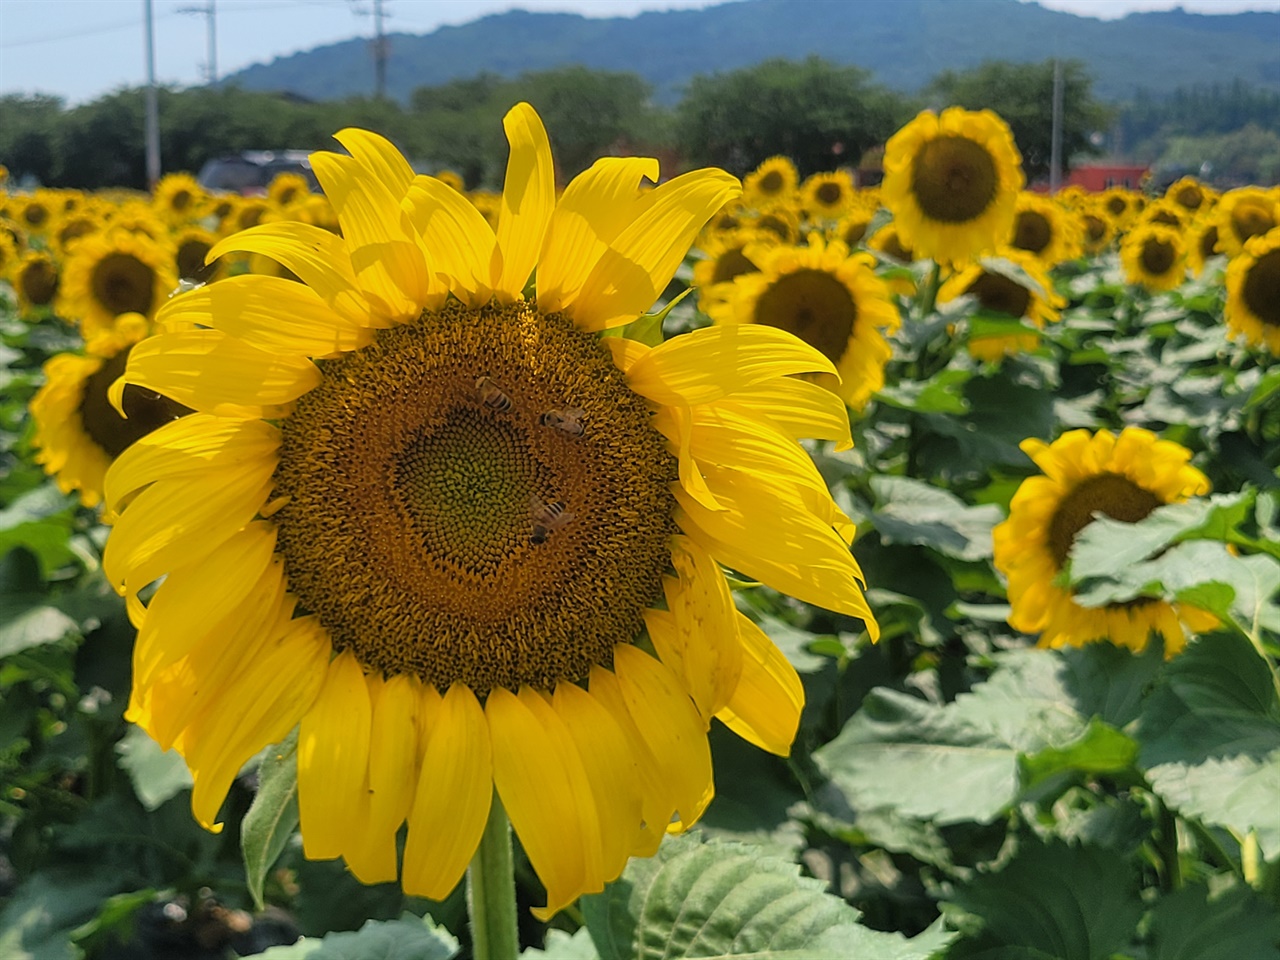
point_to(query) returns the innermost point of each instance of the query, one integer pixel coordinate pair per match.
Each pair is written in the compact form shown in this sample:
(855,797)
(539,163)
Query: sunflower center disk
(1157,256)
(476,497)
(732,263)
(1107,493)
(123,284)
(1032,231)
(813,305)
(1261,288)
(1248,220)
(1001,295)
(954,179)
(146,410)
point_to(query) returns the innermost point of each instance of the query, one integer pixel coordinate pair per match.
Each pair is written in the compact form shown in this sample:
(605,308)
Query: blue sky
(82,49)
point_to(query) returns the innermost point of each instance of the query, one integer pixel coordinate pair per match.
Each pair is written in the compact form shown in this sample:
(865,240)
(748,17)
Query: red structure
(1096,177)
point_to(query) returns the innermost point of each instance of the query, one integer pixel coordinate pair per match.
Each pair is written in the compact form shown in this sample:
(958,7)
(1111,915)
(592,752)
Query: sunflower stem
(931,291)
(491,891)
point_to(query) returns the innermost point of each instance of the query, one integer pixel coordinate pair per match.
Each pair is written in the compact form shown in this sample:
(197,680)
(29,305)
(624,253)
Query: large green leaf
(1240,793)
(910,511)
(409,938)
(37,920)
(1052,900)
(1189,924)
(40,521)
(957,762)
(157,775)
(721,899)
(273,816)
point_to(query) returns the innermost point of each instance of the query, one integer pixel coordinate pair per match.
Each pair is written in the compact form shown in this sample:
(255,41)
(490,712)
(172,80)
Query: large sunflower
(1253,292)
(1004,292)
(114,272)
(77,431)
(1046,229)
(1124,478)
(1154,256)
(1243,214)
(951,182)
(724,259)
(830,299)
(426,518)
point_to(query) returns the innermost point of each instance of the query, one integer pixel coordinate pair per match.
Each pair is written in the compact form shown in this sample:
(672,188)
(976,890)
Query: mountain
(903,43)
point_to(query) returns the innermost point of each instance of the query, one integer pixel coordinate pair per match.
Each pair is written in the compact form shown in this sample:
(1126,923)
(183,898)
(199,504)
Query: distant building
(1099,176)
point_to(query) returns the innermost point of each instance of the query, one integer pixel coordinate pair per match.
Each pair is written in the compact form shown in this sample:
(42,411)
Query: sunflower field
(794,569)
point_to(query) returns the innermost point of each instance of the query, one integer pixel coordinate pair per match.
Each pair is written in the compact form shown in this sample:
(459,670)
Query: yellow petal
(528,197)
(798,408)
(388,263)
(714,362)
(667,719)
(452,800)
(268,700)
(676,424)
(393,758)
(333,760)
(625,352)
(463,247)
(765,708)
(218,374)
(596,206)
(270,313)
(318,258)
(545,791)
(643,258)
(379,157)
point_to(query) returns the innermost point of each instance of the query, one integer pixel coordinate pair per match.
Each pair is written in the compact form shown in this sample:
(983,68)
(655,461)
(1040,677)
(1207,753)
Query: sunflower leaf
(157,775)
(1191,924)
(720,899)
(273,816)
(911,511)
(409,938)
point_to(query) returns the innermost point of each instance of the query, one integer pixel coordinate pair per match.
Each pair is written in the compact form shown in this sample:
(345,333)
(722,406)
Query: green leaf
(273,815)
(39,520)
(26,625)
(958,762)
(939,394)
(157,775)
(647,329)
(561,946)
(1099,749)
(911,511)
(1052,900)
(409,938)
(1239,793)
(1265,389)
(1189,924)
(37,920)
(720,899)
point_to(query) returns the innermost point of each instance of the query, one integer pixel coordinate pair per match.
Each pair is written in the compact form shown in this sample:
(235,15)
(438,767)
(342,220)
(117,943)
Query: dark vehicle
(248,173)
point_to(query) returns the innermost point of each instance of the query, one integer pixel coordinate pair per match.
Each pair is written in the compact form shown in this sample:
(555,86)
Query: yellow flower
(287,188)
(191,246)
(1122,206)
(112,273)
(1045,229)
(852,228)
(34,214)
(781,220)
(951,182)
(1124,478)
(1154,256)
(773,182)
(724,259)
(35,280)
(1097,229)
(827,196)
(1242,214)
(77,431)
(1191,195)
(998,292)
(179,198)
(425,518)
(830,299)
(1202,244)
(1253,292)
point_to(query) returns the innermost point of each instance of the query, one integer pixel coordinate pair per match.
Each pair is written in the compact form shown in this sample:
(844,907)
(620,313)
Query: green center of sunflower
(476,497)
(829,193)
(732,263)
(954,179)
(1209,241)
(771,183)
(1000,294)
(1261,288)
(145,409)
(815,306)
(190,259)
(1110,494)
(123,284)
(39,282)
(1251,220)
(1032,231)
(1158,256)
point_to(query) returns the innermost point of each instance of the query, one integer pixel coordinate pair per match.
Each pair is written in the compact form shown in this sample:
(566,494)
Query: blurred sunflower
(724,259)
(111,273)
(178,198)
(434,545)
(1154,256)
(35,281)
(1045,229)
(1253,293)
(951,182)
(773,182)
(1166,212)
(139,218)
(1121,205)
(452,179)
(191,246)
(1244,213)
(287,188)
(1096,229)
(9,253)
(889,242)
(827,196)
(77,431)
(71,227)
(830,299)
(852,227)
(34,213)
(780,220)
(1029,297)
(1191,195)
(1124,478)
(1202,244)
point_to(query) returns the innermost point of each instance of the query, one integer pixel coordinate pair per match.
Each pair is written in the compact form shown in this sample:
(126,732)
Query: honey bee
(547,517)
(491,396)
(570,421)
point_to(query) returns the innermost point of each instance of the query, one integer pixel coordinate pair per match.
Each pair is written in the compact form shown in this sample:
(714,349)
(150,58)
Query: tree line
(821,115)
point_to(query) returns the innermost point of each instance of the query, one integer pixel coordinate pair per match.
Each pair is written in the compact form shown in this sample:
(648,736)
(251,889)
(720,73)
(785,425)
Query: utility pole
(153,109)
(210,12)
(1055,135)
(379,52)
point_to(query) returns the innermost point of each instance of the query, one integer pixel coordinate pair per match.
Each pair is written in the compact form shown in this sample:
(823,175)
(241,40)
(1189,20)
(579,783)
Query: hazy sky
(82,49)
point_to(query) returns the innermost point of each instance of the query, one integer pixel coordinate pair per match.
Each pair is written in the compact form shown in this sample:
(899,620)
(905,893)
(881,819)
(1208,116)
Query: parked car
(248,173)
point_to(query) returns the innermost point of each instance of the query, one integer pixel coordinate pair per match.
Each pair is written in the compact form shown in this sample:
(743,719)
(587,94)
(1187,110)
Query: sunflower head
(1085,475)
(1024,292)
(1243,214)
(951,182)
(1191,195)
(1253,293)
(287,188)
(179,198)
(191,246)
(1096,228)
(112,273)
(771,183)
(35,280)
(1154,256)
(828,196)
(427,516)
(725,258)
(1046,229)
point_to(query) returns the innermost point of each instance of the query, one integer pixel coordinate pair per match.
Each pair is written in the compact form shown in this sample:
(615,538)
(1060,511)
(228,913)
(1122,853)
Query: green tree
(28,135)
(819,114)
(1022,93)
